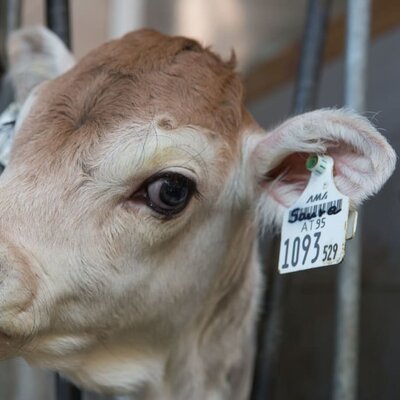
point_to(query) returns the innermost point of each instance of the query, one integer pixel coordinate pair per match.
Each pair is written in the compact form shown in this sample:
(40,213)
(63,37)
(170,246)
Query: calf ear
(35,55)
(363,159)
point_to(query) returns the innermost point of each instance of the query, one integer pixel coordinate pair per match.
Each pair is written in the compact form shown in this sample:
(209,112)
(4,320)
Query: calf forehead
(142,77)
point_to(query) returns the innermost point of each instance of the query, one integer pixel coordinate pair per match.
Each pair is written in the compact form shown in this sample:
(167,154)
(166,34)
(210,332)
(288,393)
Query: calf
(130,207)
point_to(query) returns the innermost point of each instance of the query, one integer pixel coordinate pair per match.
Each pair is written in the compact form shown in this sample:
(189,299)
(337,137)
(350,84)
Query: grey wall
(305,369)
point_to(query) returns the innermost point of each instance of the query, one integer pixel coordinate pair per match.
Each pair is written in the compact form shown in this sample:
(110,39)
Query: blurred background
(267,36)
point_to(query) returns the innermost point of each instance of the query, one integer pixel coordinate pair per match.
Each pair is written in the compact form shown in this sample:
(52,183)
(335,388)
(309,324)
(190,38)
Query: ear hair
(232,62)
(363,158)
(35,55)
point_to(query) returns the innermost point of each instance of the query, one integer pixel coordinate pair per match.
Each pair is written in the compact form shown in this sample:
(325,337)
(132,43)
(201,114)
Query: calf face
(130,206)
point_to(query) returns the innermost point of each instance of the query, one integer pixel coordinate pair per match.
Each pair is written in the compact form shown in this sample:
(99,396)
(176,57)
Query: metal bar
(358,34)
(66,391)
(349,277)
(270,328)
(57,15)
(311,61)
(126,15)
(10,19)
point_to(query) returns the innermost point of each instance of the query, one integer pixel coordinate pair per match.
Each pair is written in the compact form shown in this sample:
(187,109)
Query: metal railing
(349,276)
(348,285)
(10,19)
(345,368)
(57,16)
(269,342)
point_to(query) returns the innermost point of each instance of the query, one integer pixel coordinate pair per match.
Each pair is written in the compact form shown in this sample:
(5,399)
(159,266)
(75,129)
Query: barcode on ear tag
(314,228)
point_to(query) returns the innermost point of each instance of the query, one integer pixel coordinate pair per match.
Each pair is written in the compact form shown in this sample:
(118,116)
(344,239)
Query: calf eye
(169,193)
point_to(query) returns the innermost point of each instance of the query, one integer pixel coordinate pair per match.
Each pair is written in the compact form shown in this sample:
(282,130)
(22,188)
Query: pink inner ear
(363,160)
(286,182)
(291,168)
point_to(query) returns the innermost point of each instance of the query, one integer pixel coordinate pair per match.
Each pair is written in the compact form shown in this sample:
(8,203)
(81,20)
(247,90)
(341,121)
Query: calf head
(130,207)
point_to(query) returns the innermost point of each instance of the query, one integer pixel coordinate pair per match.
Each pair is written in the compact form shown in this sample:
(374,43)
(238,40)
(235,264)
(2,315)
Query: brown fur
(142,75)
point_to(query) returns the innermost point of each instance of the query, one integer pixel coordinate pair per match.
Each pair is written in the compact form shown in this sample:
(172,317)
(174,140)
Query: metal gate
(345,371)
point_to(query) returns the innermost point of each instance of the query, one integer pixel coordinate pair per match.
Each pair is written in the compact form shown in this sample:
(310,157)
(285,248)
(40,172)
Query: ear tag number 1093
(314,229)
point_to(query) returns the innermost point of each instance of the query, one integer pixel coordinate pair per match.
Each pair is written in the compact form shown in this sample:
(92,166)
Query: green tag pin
(316,163)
